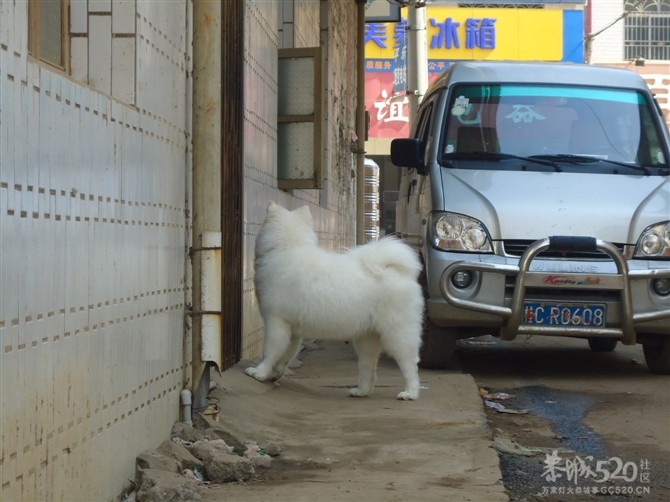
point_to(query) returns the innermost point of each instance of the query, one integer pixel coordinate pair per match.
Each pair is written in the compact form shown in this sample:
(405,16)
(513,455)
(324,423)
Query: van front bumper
(623,319)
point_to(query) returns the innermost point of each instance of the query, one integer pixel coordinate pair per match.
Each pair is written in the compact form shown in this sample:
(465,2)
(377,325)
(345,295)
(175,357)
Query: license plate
(564,314)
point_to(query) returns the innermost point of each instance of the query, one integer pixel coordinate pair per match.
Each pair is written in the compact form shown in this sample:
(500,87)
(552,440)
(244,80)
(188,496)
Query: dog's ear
(304,214)
(273,208)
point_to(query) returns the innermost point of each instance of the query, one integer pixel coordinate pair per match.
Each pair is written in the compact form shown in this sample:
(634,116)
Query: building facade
(129,129)
(93,226)
(634,35)
(628,30)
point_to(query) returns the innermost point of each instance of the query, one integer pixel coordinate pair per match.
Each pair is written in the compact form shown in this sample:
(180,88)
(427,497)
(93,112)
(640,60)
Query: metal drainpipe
(206,168)
(360,125)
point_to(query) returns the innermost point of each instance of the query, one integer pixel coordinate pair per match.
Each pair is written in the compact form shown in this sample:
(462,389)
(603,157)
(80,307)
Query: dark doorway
(232,165)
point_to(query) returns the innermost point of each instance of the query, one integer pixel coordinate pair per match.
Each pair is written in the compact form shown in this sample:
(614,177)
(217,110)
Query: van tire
(602,344)
(438,345)
(657,355)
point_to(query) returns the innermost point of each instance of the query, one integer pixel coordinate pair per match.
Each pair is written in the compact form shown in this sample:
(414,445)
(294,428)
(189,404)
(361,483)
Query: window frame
(315,118)
(35,31)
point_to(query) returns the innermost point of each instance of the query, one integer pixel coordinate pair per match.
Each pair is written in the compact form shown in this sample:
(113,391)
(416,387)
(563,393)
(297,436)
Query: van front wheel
(438,347)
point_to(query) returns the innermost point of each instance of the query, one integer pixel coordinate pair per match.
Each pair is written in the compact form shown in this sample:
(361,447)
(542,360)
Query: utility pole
(417,59)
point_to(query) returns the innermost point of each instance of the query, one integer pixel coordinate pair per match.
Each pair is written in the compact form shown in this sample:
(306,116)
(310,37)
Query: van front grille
(516,247)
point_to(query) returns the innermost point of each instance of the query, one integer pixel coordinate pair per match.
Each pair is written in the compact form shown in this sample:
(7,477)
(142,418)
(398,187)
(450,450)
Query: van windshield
(562,127)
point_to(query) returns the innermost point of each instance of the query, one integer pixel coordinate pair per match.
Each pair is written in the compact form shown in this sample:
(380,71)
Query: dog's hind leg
(410,371)
(368,348)
(276,344)
(405,351)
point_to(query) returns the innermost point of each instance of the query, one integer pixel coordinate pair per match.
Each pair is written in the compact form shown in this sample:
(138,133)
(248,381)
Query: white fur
(369,294)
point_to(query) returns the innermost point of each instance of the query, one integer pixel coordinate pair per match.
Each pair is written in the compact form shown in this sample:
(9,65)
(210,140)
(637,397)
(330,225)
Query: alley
(338,448)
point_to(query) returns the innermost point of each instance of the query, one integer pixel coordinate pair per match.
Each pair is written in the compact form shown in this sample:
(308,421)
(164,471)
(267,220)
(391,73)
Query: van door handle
(412,184)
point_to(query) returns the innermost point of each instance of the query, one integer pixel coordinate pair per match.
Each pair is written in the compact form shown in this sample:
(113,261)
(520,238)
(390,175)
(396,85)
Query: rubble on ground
(203,453)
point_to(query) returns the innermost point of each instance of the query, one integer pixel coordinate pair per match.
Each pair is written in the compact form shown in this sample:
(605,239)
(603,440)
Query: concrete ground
(338,448)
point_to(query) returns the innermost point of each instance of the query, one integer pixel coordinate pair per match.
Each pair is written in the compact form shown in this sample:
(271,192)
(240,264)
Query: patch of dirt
(286,471)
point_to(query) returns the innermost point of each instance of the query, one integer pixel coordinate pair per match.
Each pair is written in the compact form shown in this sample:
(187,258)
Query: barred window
(647,29)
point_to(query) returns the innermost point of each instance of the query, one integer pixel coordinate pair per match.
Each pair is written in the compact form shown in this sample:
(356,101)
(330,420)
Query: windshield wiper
(502,156)
(582,159)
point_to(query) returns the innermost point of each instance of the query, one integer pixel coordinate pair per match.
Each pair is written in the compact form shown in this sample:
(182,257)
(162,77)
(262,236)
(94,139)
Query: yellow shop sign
(463,33)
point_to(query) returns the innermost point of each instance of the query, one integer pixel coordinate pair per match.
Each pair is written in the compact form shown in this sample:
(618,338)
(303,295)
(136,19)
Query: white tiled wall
(103,43)
(607,46)
(260,139)
(302,23)
(93,231)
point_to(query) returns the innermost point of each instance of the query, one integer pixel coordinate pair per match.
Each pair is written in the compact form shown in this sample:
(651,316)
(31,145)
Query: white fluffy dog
(369,294)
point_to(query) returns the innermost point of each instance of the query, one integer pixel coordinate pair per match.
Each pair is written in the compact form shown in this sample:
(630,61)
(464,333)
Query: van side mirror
(408,152)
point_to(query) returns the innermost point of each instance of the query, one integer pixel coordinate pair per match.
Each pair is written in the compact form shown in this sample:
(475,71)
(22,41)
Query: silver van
(538,195)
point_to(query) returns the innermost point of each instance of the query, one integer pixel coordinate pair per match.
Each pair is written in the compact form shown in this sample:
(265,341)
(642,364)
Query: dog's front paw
(356,392)
(253,372)
(408,396)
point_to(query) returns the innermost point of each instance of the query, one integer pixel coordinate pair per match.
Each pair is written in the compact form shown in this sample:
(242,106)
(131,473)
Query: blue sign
(400,58)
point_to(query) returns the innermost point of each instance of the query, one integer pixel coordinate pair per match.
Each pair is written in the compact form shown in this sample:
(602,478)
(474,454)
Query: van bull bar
(524,278)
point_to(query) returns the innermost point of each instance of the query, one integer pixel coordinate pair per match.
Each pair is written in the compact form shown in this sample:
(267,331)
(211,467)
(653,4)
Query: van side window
(423,126)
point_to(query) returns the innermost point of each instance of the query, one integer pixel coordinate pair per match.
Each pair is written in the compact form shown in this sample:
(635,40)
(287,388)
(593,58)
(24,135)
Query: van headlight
(654,242)
(456,232)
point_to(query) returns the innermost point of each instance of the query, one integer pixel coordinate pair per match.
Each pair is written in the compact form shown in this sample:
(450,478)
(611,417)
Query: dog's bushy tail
(389,253)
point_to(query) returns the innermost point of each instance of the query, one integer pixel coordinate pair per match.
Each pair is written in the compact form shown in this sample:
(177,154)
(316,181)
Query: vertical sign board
(400,59)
